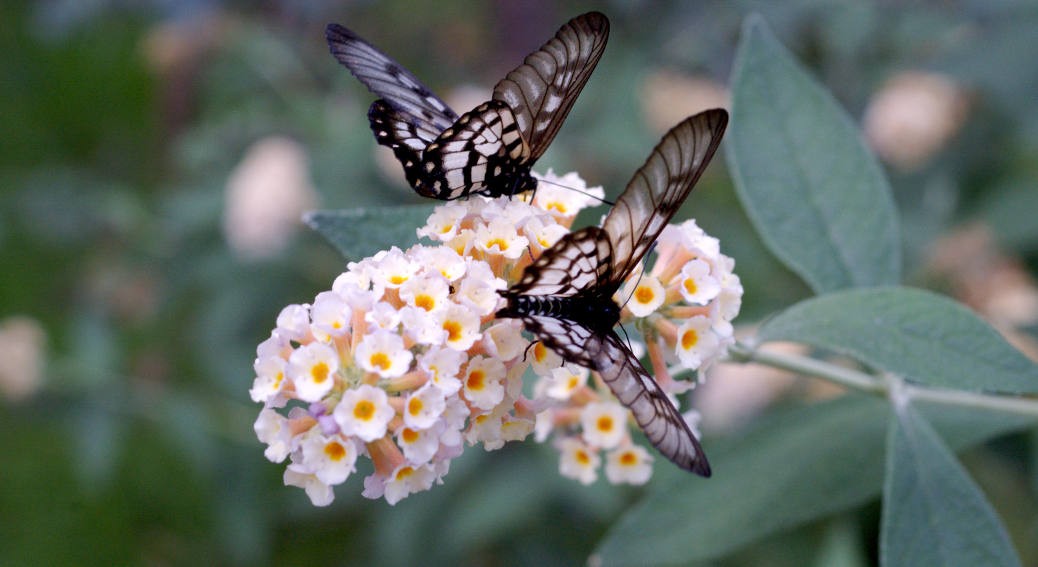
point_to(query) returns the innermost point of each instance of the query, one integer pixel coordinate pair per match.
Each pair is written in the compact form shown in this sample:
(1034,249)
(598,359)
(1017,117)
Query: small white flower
(443,365)
(479,289)
(697,285)
(629,465)
(499,237)
(695,342)
(320,493)
(542,232)
(445,222)
(486,429)
(727,305)
(422,326)
(424,407)
(407,479)
(504,339)
(646,293)
(442,260)
(270,378)
(383,352)
(543,359)
(364,412)
(577,460)
(516,429)
(565,196)
(383,315)
(394,268)
(330,315)
(461,325)
(312,370)
(293,322)
(453,418)
(428,292)
(564,380)
(483,382)
(604,424)
(331,459)
(419,445)
(272,429)
(275,345)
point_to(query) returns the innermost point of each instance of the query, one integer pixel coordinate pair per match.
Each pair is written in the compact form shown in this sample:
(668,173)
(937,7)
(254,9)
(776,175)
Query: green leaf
(813,190)
(791,469)
(921,336)
(361,232)
(933,513)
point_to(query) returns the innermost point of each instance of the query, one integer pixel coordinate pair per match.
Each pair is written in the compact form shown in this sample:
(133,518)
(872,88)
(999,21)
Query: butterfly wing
(605,352)
(412,103)
(663,425)
(478,153)
(659,188)
(542,90)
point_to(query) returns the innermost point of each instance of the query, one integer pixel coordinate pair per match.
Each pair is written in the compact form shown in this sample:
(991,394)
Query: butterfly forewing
(660,186)
(542,90)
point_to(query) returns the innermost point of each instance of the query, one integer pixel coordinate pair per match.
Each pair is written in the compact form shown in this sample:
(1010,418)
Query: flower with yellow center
(604,424)
(363,412)
(383,353)
(312,370)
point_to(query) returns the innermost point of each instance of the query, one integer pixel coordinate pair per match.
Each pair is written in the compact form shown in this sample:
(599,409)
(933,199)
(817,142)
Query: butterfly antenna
(627,338)
(585,193)
(527,351)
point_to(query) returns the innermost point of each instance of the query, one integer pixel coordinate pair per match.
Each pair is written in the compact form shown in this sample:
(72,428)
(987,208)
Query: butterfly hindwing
(663,425)
(479,150)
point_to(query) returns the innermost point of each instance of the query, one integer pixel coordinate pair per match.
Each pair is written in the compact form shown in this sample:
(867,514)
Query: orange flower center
(319,372)
(380,360)
(690,286)
(425,302)
(477,379)
(334,451)
(628,459)
(644,294)
(364,410)
(453,329)
(605,423)
(414,406)
(689,339)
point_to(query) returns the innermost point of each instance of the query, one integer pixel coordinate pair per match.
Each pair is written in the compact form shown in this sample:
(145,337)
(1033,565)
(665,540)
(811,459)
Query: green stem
(880,385)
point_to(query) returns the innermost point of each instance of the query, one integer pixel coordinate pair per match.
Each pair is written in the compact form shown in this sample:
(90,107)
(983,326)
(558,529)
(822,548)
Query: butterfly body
(565,297)
(491,149)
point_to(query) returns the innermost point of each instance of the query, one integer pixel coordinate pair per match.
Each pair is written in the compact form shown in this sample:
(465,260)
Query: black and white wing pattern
(565,298)
(490,149)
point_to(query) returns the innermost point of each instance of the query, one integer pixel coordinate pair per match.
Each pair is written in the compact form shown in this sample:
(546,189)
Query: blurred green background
(155,157)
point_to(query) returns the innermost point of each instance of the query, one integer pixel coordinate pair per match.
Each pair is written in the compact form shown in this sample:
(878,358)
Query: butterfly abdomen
(597,313)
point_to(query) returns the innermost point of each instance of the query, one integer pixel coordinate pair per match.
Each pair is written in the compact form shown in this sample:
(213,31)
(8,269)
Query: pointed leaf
(358,233)
(813,190)
(933,513)
(921,336)
(792,469)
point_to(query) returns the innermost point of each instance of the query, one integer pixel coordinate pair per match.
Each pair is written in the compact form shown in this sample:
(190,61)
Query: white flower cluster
(403,361)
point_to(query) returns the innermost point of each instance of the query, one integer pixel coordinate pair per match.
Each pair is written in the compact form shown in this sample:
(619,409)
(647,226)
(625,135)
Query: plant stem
(880,385)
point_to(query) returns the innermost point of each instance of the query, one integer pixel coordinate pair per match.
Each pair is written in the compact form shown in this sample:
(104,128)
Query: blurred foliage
(121,126)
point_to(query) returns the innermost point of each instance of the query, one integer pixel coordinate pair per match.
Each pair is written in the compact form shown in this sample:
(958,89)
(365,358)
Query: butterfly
(565,297)
(490,149)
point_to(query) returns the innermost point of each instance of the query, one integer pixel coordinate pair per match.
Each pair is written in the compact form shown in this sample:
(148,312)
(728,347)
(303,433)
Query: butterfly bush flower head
(403,363)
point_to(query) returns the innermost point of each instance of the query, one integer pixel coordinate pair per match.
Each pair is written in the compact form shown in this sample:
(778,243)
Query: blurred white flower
(266,196)
(669,97)
(912,116)
(22,342)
